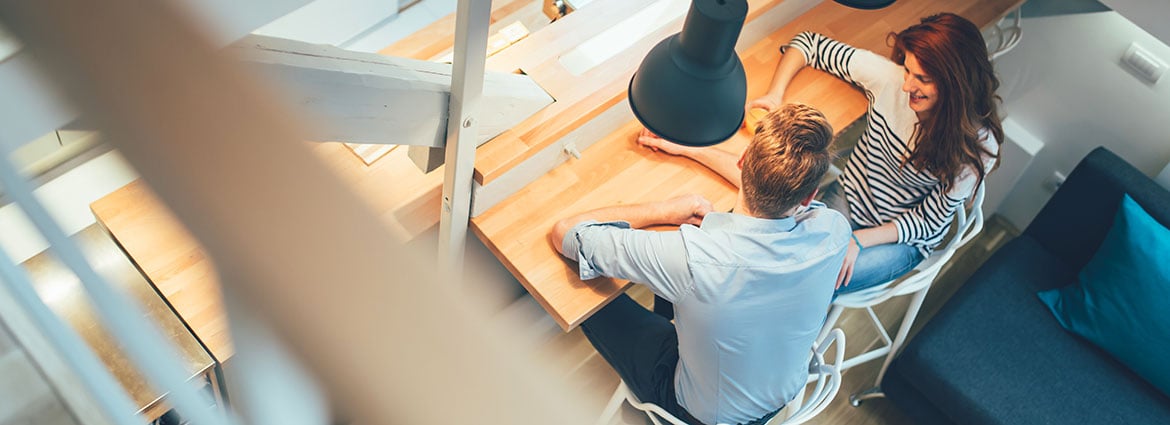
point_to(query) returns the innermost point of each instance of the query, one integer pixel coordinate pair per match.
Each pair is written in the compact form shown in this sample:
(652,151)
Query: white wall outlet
(1054,181)
(1143,64)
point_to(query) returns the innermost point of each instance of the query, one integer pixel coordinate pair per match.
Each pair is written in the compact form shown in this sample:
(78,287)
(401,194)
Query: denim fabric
(876,264)
(880,264)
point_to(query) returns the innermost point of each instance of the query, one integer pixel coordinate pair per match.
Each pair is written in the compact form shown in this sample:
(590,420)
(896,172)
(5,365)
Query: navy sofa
(994,354)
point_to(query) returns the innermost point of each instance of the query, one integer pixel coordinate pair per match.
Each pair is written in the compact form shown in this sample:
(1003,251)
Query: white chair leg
(896,345)
(615,403)
(903,331)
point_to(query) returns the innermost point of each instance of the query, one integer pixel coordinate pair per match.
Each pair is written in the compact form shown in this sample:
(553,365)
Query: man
(751,287)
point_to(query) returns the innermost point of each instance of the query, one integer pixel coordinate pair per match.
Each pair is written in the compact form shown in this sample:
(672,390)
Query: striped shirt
(878,187)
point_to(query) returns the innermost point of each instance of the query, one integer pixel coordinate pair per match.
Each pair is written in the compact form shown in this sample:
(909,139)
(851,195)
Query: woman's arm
(790,63)
(855,66)
(873,236)
(724,163)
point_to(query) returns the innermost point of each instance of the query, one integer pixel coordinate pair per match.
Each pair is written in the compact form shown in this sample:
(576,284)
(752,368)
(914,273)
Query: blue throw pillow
(1121,300)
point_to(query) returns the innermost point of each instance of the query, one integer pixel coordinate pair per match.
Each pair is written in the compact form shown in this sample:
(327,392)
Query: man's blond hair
(786,159)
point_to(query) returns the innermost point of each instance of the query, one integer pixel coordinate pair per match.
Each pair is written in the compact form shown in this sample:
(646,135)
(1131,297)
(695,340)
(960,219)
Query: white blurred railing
(366,317)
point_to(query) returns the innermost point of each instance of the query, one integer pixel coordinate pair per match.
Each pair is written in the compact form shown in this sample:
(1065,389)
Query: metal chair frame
(825,376)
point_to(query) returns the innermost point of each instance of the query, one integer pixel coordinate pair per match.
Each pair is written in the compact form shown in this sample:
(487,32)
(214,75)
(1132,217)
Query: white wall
(1164,177)
(330,21)
(1151,15)
(1065,84)
(67,198)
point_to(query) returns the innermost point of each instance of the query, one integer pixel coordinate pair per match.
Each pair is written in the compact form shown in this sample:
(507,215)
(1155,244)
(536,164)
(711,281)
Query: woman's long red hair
(952,53)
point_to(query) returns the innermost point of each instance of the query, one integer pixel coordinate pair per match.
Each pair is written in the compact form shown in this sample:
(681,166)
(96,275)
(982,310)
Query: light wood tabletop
(407,199)
(579,97)
(172,259)
(62,292)
(616,171)
(612,171)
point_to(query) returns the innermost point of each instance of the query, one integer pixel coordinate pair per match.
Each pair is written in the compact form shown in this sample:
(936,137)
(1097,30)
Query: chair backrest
(966,226)
(653,411)
(827,379)
(826,376)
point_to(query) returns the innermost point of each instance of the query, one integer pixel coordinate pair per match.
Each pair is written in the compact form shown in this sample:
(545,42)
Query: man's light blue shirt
(750,296)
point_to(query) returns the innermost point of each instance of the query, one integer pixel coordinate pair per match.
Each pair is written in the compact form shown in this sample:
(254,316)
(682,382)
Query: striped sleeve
(927,224)
(855,66)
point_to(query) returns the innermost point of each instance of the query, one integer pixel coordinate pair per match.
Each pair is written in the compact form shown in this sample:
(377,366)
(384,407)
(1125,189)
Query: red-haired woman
(932,135)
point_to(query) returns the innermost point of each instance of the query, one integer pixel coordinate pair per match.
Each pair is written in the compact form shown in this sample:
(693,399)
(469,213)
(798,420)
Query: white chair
(968,223)
(1001,39)
(825,376)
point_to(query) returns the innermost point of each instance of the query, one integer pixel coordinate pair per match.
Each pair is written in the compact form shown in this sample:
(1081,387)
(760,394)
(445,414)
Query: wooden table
(407,200)
(62,293)
(616,171)
(171,259)
(612,171)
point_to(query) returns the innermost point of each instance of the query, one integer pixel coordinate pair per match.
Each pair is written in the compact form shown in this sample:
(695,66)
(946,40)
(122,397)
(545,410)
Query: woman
(933,134)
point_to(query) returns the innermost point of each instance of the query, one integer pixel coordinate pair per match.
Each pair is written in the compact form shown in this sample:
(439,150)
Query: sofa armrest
(1074,222)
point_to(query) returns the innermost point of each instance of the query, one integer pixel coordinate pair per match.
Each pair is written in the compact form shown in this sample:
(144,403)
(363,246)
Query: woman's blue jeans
(876,264)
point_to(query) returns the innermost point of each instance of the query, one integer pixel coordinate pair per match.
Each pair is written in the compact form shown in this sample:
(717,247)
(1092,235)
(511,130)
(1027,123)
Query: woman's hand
(768,102)
(846,272)
(686,209)
(658,144)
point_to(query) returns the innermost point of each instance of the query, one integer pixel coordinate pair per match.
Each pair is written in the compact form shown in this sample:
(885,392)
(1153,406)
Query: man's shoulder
(821,215)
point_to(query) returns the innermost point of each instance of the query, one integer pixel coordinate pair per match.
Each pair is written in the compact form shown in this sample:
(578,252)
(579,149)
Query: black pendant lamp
(690,89)
(866,4)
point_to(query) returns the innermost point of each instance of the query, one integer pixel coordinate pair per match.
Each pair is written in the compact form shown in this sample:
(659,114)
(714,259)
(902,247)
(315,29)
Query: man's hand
(686,209)
(846,273)
(718,160)
(658,144)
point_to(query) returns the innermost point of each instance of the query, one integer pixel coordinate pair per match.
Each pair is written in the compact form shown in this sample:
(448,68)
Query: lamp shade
(690,89)
(866,4)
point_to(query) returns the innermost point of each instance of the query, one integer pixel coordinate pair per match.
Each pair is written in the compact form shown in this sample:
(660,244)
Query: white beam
(467,87)
(369,98)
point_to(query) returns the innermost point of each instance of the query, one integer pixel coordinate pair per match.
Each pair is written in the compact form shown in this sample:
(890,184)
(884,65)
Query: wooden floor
(587,371)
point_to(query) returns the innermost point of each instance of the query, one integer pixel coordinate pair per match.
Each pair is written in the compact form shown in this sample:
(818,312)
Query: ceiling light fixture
(691,88)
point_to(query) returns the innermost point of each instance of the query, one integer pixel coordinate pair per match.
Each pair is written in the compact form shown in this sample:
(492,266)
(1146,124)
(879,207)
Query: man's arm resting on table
(603,246)
(675,211)
(724,163)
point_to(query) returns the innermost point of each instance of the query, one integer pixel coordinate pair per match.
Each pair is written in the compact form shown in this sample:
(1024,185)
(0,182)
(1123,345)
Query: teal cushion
(1121,300)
